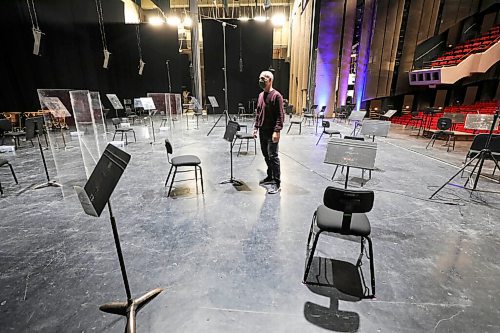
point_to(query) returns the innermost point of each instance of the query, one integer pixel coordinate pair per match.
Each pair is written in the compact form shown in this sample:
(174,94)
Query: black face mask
(262,84)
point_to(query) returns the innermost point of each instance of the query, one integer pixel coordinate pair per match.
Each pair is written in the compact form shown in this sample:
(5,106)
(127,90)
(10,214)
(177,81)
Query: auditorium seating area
(463,50)
(483,107)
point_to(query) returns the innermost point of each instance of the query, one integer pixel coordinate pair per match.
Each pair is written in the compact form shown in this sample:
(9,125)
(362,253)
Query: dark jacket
(274,101)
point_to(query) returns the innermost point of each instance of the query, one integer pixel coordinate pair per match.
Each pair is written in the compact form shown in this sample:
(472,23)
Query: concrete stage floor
(232,260)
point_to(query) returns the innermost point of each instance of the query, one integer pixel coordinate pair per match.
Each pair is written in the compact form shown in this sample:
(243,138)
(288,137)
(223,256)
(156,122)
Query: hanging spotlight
(141,66)
(106,58)
(267,4)
(37,36)
(173,20)
(278,20)
(155,20)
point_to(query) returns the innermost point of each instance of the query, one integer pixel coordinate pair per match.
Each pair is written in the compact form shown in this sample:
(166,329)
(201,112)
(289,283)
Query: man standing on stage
(269,122)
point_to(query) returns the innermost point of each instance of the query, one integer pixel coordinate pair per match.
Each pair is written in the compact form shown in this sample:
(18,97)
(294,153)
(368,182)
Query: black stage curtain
(256,49)
(71,53)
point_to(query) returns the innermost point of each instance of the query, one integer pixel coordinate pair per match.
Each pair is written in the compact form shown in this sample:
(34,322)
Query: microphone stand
(224,24)
(168,75)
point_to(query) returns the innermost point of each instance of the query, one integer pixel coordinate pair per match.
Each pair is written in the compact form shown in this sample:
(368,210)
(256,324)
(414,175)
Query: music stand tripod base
(50,183)
(130,309)
(232,181)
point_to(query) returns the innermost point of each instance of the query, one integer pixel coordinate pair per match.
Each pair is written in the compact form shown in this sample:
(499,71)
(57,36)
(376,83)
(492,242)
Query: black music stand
(94,196)
(34,126)
(231,129)
(484,154)
(214,104)
(351,154)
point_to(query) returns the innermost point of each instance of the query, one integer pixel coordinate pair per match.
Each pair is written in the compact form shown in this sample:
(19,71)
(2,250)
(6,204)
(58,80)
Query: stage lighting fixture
(141,66)
(243,18)
(106,58)
(267,4)
(37,35)
(260,18)
(155,20)
(278,20)
(173,20)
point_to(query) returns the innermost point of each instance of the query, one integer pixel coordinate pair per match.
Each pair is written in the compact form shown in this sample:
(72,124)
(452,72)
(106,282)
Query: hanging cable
(138,35)
(100,19)
(37,33)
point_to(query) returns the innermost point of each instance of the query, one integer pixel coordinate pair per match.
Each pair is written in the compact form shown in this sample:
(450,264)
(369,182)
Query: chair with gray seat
(343,212)
(5,162)
(122,130)
(182,161)
(328,130)
(6,131)
(479,143)
(444,125)
(311,114)
(244,136)
(295,121)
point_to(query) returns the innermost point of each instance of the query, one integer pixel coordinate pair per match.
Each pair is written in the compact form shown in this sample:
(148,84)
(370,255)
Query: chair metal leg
(289,128)
(114,136)
(172,182)
(334,172)
(311,229)
(13,173)
(239,149)
(311,256)
(300,128)
(135,140)
(255,145)
(169,172)
(196,176)
(201,177)
(320,138)
(432,138)
(372,266)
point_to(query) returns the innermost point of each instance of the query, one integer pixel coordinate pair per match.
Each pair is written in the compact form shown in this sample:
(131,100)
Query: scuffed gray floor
(232,260)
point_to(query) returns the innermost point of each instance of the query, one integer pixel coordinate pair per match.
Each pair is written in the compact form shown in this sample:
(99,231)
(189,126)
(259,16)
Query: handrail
(441,42)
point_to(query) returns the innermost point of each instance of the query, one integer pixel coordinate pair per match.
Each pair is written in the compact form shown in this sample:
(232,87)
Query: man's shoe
(267,181)
(274,189)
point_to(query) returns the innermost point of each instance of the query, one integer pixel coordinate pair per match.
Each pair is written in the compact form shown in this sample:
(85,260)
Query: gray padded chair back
(444,124)
(348,201)
(168,147)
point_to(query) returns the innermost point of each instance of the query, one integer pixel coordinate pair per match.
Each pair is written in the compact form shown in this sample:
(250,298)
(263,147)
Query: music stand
(214,104)
(478,122)
(357,117)
(231,129)
(196,106)
(94,196)
(115,102)
(373,127)
(148,105)
(34,126)
(351,154)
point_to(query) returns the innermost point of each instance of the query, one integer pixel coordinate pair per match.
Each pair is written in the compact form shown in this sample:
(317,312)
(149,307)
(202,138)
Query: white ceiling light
(243,18)
(187,21)
(278,20)
(155,20)
(173,20)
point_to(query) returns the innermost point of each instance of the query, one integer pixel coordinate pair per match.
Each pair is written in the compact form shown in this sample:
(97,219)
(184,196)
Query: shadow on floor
(339,281)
